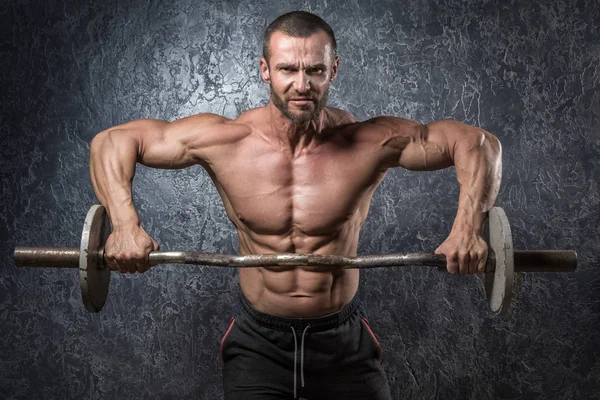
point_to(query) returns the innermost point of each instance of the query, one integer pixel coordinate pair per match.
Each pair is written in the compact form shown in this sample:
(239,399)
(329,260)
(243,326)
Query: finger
(474,262)
(464,259)
(141,266)
(482,262)
(440,268)
(111,263)
(146,263)
(120,266)
(452,264)
(130,266)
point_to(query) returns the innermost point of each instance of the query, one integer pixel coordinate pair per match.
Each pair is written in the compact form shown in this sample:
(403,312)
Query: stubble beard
(313,111)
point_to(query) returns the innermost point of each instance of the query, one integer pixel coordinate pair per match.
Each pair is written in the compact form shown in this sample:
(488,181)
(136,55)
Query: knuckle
(112,266)
(452,268)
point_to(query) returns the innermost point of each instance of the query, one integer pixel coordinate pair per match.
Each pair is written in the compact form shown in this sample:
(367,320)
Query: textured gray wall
(528,72)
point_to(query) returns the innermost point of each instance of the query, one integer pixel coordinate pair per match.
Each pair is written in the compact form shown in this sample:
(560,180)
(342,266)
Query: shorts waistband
(317,324)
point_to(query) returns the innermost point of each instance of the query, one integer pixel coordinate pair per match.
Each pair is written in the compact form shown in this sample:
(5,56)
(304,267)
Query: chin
(305,114)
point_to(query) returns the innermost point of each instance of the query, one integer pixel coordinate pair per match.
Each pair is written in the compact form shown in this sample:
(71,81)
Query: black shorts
(332,357)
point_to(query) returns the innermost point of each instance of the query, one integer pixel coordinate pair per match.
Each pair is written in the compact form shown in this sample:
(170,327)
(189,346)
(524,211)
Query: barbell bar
(499,276)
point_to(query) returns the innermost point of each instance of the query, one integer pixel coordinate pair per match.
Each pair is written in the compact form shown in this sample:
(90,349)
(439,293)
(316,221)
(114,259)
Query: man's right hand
(127,249)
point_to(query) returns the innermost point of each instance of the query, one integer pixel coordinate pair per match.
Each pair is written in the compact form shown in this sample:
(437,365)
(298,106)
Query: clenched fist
(127,249)
(466,253)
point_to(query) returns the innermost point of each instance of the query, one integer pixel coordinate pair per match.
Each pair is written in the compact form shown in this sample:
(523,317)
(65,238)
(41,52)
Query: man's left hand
(466,253)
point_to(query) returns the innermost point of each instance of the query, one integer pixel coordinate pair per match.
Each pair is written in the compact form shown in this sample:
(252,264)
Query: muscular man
(297,176)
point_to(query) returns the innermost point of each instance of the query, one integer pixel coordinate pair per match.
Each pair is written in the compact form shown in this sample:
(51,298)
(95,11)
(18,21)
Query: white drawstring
(302,356)
(296,358)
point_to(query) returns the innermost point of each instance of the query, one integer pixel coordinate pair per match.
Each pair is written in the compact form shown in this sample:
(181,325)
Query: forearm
(113,158)
(477,157)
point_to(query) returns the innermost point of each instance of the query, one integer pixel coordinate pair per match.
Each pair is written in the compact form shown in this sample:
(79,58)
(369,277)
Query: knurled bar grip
(525,260)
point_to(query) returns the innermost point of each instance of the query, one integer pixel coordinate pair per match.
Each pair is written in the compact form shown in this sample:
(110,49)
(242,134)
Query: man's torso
(313,199)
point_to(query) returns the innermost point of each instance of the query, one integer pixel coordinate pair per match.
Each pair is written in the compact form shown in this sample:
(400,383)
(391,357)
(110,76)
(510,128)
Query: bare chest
(312,193)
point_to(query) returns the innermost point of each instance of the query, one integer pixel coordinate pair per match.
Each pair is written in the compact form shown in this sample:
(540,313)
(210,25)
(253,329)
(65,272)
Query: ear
(264,70)
(334,68)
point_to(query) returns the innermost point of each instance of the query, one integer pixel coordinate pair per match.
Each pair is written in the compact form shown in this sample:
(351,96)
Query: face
(299,73)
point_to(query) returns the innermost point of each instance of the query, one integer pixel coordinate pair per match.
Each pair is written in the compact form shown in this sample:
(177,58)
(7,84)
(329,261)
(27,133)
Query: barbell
(499,277)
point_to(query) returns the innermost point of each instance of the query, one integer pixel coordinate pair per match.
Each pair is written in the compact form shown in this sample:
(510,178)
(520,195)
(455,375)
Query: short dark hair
(297,24)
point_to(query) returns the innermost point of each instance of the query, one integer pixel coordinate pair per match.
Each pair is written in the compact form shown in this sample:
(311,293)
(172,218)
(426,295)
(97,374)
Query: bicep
(427,147)
(414,146)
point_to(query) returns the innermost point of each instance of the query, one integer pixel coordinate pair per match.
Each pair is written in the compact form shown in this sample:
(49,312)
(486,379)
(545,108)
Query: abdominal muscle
(299,292)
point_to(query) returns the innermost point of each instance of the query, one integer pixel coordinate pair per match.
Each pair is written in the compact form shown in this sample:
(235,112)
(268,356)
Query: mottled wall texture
(526,71)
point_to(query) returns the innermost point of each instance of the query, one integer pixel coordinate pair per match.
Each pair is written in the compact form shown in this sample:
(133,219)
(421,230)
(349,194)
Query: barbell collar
(545,260)
(54,257)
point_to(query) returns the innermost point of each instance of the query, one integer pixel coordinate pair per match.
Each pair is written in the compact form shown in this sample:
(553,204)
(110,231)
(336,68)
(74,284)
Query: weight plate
(94,276)
(499,284)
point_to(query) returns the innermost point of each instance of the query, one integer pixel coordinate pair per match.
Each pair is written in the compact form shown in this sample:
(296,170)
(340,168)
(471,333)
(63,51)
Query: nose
(302,82)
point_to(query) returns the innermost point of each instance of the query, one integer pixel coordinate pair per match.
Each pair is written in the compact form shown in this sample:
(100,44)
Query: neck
(294,136)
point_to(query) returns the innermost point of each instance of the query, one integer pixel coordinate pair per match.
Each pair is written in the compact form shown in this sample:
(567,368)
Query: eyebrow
(287,65)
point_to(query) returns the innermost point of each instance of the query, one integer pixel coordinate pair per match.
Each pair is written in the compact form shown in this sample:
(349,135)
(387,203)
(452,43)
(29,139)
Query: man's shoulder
(210,129)
(374,131)
(338,117)
(385,125)
(346,121)
(251,116)
(210,120)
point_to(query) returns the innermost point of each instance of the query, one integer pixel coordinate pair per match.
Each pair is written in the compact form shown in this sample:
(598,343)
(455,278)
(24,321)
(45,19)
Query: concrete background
(525,71)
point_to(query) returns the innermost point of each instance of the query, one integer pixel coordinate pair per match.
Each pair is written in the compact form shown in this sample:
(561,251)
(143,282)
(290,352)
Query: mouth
(300,101)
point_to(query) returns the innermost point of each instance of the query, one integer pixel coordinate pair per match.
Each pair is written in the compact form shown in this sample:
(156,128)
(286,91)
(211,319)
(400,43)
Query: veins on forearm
(478,169)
